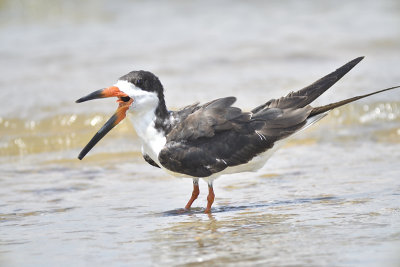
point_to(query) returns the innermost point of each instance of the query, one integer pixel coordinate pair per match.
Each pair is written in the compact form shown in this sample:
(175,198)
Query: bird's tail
(316,89)
(326,108)
(309,93)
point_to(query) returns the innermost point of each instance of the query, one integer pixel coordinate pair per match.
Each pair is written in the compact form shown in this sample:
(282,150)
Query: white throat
(143,117)
(153,141)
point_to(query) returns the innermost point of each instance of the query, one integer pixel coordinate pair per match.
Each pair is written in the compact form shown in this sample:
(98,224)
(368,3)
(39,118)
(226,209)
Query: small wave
(367,113)
(56,133)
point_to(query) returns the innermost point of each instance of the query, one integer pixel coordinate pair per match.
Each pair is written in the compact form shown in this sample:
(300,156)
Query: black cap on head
(145,80)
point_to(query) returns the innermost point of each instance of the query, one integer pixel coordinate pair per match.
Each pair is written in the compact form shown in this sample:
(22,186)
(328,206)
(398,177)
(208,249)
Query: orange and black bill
(124,102)
(103,93)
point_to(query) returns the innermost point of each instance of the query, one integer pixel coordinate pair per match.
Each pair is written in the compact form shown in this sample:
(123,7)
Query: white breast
(152,140)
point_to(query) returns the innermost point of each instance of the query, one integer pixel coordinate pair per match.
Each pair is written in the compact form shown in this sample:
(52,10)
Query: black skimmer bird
(206,141)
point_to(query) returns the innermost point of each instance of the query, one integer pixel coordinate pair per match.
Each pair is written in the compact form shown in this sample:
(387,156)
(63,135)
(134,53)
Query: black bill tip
(99,135)
(94,95)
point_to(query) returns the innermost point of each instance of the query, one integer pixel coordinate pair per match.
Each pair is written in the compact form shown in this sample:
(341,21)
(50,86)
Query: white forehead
(132,90)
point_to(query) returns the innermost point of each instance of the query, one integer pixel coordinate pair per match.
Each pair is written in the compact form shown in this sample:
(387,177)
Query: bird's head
(138,91)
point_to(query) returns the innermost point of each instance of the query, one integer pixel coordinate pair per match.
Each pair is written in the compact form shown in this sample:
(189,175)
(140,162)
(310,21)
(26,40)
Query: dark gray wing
(178,116)
(217,135)
(308,94)
(204,121)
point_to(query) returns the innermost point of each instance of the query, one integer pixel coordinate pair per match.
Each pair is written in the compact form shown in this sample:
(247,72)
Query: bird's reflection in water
(217,237)
(251,206)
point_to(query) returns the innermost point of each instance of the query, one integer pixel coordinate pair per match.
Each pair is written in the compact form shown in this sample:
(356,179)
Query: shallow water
(329,197)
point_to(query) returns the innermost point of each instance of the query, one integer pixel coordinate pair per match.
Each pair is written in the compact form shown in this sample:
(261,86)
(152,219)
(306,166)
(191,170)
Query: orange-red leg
(210,198)
(195,193)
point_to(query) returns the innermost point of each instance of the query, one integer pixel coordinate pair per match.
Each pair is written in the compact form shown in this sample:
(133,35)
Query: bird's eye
(139,82)
(125,98)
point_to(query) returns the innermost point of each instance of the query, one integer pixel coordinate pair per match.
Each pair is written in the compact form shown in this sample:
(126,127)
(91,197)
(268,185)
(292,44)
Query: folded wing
(217,136)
